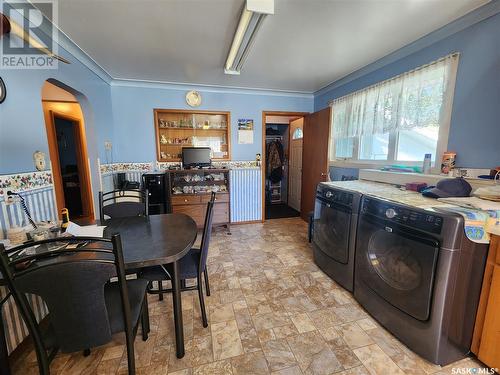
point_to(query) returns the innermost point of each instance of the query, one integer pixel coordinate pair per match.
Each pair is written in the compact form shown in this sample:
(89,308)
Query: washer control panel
(417,219)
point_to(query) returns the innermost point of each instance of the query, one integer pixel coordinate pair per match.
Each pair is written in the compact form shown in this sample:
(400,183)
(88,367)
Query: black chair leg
(145,319)
(43,361)
(207,285)
(160,287)
(202,302)
(130,353)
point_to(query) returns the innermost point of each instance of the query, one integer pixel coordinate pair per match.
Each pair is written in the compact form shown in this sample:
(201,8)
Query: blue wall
(22,125)
(475,121)
(134,135)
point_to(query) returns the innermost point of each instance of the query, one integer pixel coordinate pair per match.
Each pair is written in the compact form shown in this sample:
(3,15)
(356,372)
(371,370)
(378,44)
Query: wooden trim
(156,111)
(263,154)
(82,158)
(191,111)
(59,101)
(493,252)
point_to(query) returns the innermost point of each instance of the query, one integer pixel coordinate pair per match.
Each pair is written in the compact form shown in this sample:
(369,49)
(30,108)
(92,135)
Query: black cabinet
(159,191)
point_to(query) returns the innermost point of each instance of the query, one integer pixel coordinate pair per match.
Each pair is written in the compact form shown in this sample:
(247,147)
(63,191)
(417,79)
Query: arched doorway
(67,142)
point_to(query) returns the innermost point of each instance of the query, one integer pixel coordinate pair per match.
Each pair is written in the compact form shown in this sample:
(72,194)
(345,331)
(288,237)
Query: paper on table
(87,231)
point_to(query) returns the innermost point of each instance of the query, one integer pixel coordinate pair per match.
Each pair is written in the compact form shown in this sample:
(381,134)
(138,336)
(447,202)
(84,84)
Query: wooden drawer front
(185,199)
(196,211)
(218,198)
(221,213)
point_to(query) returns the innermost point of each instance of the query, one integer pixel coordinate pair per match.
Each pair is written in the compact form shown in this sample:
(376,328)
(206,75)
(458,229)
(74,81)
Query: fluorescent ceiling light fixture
(251,19)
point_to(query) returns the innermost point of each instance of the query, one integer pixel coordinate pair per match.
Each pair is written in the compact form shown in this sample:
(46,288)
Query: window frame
(441,146)
(355,160)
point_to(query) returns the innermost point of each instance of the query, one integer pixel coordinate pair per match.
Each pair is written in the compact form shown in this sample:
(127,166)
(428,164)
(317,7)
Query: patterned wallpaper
(24,181)
(161,166)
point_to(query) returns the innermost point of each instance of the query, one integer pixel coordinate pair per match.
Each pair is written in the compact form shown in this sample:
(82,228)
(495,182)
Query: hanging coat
(275,160)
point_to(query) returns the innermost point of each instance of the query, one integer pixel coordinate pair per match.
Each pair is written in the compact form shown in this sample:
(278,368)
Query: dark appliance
(419,275)
(157,185)
(334,235)
(196,157)
(123,183)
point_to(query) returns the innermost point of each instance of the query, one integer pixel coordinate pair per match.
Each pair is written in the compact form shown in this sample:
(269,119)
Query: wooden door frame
(263,155)
(82,162)
(289,147)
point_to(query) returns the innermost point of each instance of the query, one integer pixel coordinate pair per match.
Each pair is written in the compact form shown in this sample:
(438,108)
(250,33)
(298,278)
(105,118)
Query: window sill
(401,178)
(365,164)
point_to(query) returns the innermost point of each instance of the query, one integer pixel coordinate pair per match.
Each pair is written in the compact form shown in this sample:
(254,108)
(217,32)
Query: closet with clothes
(276,168)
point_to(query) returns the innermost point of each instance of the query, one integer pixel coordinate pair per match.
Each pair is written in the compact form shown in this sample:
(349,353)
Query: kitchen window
(398,120)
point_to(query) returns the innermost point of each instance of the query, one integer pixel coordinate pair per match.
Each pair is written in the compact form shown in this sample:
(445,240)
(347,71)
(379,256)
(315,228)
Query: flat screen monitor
(196,157)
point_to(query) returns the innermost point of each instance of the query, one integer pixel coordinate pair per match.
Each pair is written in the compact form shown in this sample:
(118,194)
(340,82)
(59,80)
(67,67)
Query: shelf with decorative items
(177,128)
(191,190)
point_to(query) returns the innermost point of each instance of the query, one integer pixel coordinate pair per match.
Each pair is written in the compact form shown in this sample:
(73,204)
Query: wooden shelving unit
(191,190)
(176,128)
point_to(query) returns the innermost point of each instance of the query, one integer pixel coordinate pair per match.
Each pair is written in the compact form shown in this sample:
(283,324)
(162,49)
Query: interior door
(295,163)
(314,157)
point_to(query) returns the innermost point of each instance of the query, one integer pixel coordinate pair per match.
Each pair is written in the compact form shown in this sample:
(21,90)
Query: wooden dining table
(155,240)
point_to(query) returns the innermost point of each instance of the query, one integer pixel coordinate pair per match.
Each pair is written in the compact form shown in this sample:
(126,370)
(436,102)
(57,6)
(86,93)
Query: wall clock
(193,98)
(3,91)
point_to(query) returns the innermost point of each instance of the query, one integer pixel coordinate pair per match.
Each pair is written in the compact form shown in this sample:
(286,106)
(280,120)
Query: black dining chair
(123,203)
(72,276)
(192,266)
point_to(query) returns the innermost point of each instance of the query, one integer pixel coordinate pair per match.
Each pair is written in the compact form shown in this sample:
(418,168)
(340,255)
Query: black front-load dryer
(334,235)
(419,275)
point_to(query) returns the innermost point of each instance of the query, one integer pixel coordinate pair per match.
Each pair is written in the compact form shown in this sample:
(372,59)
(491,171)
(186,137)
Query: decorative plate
(193,98)
(3,91)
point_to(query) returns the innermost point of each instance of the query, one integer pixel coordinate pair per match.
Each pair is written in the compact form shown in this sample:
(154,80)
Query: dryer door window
(332,225)
(398,265)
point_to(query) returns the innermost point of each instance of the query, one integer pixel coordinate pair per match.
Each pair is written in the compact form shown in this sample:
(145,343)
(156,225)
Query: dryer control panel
(415,218)
(335,196)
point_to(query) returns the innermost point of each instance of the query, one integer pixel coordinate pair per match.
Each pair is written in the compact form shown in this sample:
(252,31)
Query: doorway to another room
(282,145)
(68,151)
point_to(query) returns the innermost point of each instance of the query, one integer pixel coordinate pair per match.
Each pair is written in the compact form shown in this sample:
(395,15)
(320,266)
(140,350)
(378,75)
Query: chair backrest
(207,233)
(123,203)
(71,282)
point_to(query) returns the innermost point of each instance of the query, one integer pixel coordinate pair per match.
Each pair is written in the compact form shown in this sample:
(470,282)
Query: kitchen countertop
(389,192)
(478,224)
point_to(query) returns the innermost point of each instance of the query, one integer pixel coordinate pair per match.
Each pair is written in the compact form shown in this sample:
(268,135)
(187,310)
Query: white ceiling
(304,46)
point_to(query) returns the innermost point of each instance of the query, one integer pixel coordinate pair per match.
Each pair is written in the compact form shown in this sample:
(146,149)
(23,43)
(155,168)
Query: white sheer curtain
(415,99)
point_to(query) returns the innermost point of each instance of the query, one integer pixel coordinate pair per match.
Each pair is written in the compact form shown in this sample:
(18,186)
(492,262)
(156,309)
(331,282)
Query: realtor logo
(28,38)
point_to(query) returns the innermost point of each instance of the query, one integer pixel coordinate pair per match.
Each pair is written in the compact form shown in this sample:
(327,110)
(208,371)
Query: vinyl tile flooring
(271,311)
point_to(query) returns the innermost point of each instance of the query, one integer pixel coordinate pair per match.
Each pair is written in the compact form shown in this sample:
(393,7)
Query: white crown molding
(79,54)
(488,10)
(73,49)
(477,15)
(120,82)
(70,46)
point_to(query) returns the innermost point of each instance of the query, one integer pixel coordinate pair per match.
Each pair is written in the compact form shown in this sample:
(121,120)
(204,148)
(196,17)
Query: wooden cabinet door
(314,157)
(489,348)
